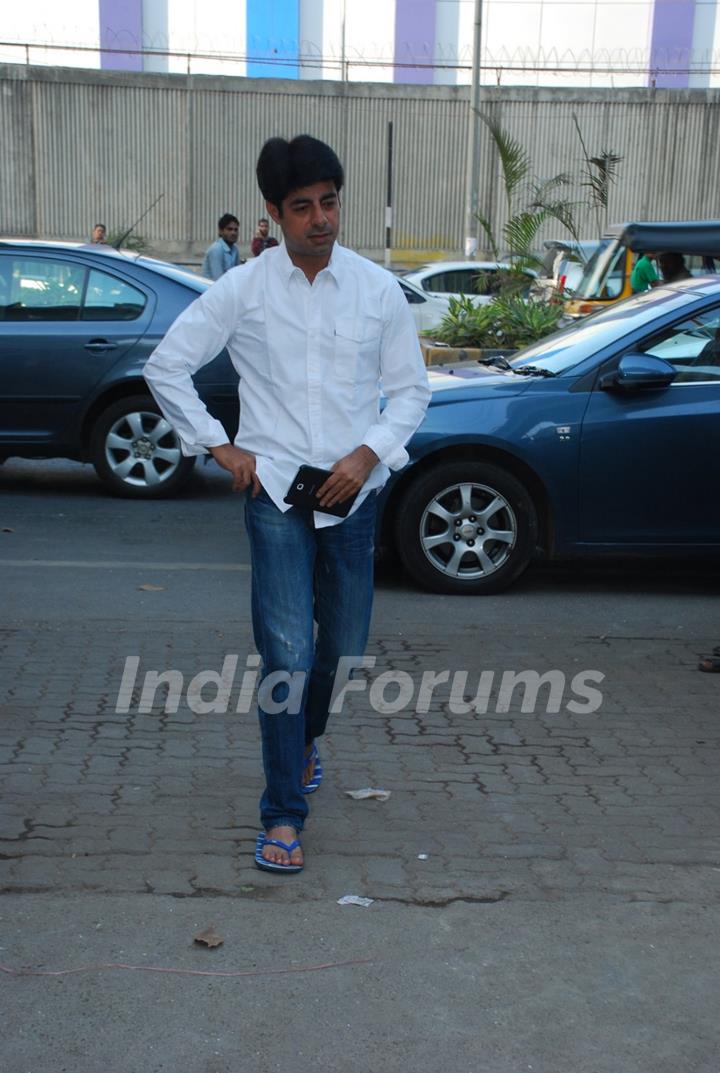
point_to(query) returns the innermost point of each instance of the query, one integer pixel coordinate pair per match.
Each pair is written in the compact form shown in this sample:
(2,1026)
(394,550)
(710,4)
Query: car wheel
(136,452)
(466,527)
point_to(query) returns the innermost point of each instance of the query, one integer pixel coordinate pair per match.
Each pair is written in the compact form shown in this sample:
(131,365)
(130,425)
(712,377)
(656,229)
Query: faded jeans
(300,576)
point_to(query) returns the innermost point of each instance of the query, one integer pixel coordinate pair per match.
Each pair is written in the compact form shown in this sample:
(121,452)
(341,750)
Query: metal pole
(472,178)
(388,204)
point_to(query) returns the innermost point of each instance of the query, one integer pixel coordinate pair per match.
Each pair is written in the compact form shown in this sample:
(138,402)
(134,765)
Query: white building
(665,43)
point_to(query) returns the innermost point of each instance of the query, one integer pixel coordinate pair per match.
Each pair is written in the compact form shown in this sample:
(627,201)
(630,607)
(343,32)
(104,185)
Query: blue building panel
(273,38)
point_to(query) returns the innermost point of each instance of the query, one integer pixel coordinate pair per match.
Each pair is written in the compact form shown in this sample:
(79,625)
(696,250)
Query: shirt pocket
(252,343)
(357,348)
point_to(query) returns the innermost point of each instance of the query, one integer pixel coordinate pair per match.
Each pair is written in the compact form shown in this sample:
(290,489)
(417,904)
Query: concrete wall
(80,147)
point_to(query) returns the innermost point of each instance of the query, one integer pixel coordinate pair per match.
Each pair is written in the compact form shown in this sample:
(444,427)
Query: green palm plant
(507,322)
(523,222)
(466,324)
(600,173)
(519,323)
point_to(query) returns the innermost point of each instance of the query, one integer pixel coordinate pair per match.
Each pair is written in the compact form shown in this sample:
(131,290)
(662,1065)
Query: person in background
(673,267)
(223,254)
(644,275)
(262,240)
(99,234)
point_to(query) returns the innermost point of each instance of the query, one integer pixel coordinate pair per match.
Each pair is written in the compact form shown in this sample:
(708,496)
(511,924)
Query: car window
(412,296)
(615,279)
(692,346)
(40,289)
(487,282)
(604,273)
(110,298)
(454,281)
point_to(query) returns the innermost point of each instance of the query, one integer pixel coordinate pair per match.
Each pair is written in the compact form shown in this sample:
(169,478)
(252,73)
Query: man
(99,234)
(643,275)
(673,267)
(312,329)
(262,240)
(223,254)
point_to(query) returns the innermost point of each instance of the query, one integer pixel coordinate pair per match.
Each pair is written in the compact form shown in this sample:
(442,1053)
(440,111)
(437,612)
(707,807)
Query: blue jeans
(302,575)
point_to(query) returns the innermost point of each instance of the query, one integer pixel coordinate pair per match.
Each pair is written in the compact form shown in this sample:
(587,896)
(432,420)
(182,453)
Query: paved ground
(563,916)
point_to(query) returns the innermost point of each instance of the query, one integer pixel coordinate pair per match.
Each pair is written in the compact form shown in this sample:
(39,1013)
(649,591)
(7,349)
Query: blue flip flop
(270,866)
(311,787)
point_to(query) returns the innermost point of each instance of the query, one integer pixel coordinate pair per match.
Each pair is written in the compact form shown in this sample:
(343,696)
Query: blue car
(77,324)
(601,438)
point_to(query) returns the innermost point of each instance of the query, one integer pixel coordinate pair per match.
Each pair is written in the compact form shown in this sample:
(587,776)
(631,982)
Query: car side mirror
(638,372)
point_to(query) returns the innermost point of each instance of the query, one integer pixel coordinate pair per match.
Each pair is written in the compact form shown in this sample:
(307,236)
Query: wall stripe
(671,44)
(155,33)
(121,24)
(704,45)
(311,38)
(447,42)
(273,32)
(414,39)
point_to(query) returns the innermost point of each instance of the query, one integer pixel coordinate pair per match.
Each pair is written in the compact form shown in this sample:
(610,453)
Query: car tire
(136,452)
(466,528)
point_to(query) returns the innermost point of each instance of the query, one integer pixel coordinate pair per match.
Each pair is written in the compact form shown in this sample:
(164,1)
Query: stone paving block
(543,851)
(216,873)
(32,751)
(528,781)
(35,873)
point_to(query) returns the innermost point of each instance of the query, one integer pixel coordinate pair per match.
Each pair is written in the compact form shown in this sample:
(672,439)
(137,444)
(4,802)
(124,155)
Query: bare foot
(280,856)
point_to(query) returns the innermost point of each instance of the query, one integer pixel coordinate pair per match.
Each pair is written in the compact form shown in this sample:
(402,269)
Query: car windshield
(562,351)
(603,274)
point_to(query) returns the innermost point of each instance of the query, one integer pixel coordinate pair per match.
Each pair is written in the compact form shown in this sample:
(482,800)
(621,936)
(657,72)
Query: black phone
(303,492)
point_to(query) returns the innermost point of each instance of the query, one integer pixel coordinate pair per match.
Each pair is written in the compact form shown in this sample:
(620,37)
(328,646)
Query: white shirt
(311,359)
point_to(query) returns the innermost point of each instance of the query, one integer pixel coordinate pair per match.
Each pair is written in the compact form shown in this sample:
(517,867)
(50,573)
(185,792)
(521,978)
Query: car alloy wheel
(136,451)
(465,527)
(468,531)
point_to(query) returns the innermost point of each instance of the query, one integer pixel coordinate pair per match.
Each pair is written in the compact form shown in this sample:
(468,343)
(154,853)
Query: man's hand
(348,476)
(241,464)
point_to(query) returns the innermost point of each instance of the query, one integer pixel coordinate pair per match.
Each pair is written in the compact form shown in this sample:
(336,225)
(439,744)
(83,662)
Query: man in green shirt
(643,275)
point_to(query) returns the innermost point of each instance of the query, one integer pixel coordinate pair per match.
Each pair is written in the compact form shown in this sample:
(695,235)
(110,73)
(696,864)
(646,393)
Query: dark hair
(263,220)
(225,219)
(99,225)
(286,166)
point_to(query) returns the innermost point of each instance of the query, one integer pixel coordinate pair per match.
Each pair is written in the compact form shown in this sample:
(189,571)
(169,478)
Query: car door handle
(99,345)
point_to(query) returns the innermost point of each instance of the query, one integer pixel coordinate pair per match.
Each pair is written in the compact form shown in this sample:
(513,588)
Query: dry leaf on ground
(209,937)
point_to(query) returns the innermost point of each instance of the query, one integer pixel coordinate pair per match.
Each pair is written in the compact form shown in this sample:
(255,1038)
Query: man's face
(98,234)
(230,233)
(263,228)
(309,219)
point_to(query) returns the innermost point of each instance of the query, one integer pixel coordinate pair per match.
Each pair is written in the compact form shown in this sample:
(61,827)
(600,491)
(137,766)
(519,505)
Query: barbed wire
(646,62)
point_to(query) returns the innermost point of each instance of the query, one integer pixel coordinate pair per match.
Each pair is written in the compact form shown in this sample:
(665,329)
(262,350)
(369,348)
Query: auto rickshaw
(606,277)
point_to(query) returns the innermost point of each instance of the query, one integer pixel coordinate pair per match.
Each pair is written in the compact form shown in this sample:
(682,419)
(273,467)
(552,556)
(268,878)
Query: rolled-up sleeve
(404,382)
(194,339)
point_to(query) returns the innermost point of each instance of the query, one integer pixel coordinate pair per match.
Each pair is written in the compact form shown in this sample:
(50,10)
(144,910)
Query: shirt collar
(334,268)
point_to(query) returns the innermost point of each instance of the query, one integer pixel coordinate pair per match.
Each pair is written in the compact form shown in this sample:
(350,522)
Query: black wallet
(303,492)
